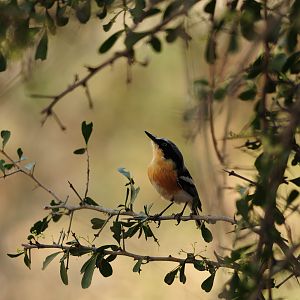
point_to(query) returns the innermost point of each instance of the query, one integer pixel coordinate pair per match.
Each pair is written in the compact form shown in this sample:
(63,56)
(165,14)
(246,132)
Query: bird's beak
(152,137)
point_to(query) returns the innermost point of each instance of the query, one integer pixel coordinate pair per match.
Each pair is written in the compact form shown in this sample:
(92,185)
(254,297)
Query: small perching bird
(170,177)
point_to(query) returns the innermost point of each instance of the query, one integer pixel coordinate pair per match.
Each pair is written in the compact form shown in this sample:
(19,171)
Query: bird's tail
(196,212)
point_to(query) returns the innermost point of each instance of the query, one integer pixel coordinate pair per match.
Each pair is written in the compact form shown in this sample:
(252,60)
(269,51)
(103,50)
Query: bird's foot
(177,217)
(156,218)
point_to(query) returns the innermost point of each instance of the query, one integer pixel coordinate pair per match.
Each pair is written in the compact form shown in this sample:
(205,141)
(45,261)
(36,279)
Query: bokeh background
(156,100)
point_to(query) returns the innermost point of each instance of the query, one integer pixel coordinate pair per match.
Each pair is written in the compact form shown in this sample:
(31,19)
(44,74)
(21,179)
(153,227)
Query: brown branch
(29,174)
(141,215)
(47,111)
(135,256)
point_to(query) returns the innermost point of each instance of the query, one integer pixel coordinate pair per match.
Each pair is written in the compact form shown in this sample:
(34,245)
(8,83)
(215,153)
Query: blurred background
(156,100)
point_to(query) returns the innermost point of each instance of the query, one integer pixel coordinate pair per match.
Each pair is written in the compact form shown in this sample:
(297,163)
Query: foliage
(267,78)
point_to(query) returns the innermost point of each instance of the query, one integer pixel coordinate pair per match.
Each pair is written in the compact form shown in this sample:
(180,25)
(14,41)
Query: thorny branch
(135,256)
(127,53)
(141,215)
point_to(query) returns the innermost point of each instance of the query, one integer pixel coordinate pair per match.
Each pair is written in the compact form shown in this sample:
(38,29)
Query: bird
(170,177)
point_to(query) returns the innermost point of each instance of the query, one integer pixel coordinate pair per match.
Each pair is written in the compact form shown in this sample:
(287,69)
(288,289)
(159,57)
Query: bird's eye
(164,144)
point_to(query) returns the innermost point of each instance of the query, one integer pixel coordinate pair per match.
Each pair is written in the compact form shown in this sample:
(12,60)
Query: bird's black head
(168,148)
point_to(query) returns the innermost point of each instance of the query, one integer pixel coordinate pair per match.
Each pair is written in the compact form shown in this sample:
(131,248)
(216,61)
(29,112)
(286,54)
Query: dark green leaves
(170,277)
(210,7)
(61,15)
(83,11)
(249,93)
(207,284)
(292,196)
(105,267)
(49,259)
(88,271)
(2,62)
(97,223)
(155,43)
(90,201)
(110,42)
(116,229)
(63,272)
(27,259)
(79,151)
(40,226)
(86,130)
(296,181)
(210,51)
(199,265)
(206,234)
(137,266)
(42,48)
(5,134)
(20,153)
(15,255)
(133,37)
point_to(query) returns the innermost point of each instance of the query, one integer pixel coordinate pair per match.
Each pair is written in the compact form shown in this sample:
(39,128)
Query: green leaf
(27,260)
(78,250)
(8,166)
(86,130)
(249,93)
(206,234)
(2,168)
(97,223)
(171,9)
(124,172)
(155,43)
(90,201)
(182,277)
(63,273)
(49,259)
(207,284)
(83,11)
(88,272)
(220,93)
(42,48)
(20,153)
(137,266)
(40,226)
(116,229)
(169,278)
(105,268)
(292,196)
(296,181)
(5,134)
(107,44)
(107,27)
(210,7)
(199,265)
(15,255)
(61,19)
(3,63)
(133,37)
(210,52)
(79,151)
(103,14)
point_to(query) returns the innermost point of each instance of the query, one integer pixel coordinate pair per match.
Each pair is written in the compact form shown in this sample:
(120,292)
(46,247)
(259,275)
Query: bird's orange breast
(163,177)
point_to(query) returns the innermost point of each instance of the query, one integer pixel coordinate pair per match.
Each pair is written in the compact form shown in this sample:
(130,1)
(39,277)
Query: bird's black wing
(186,182)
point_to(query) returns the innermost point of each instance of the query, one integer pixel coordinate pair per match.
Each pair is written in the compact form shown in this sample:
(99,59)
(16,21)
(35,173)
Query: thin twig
(29,174)
(232,173)
(75,191)
(141,215)
(87,172)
